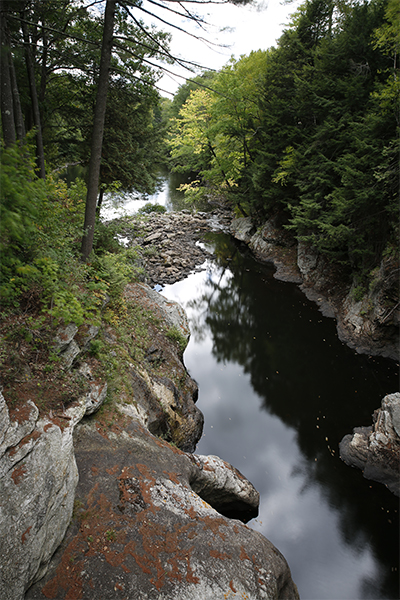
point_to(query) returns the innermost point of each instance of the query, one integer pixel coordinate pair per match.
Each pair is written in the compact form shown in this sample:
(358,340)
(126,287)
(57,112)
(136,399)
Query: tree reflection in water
(301,390)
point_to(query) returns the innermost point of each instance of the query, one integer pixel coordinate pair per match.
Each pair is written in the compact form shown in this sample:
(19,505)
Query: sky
(245,28)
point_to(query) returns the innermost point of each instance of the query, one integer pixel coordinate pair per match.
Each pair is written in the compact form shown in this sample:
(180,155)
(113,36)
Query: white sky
(249,29)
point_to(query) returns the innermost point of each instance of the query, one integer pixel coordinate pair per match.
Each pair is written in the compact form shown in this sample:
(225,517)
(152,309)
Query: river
(279,391)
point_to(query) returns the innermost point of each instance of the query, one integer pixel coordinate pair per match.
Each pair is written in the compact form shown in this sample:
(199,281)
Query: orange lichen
(113,471)
(32,436)
(25,534)
(243,554)
(18,473)
(220,555)
(214,524)
(172,476)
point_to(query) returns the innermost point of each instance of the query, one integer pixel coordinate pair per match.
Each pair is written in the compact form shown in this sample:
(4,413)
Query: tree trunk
(99,202)
(7,109)
(18,116)
(34,99)
(98,130)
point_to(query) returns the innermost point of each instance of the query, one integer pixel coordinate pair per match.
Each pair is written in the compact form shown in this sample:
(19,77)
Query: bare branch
(196,37)
(186,15)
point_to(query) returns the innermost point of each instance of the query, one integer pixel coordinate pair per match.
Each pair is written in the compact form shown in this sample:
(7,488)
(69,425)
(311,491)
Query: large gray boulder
(143,532)
(38,478)
(224,487)
(376,449)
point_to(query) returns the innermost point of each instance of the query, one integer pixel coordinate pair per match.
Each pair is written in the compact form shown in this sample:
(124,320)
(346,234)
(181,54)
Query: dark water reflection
(278,391)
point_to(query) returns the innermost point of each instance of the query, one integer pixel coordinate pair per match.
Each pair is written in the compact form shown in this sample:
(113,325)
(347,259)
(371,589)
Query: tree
(215,130)
(34,96)
(6,100)
(98,130)
(94,165)
(133,139)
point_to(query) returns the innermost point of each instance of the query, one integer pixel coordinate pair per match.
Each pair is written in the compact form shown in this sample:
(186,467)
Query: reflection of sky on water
(299,510)
(128,204)
(122,204)
(298,521)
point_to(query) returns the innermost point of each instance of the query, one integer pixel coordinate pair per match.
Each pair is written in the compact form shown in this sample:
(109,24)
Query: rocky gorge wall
(97,504)
(115,504)
(375,449)
(369,323)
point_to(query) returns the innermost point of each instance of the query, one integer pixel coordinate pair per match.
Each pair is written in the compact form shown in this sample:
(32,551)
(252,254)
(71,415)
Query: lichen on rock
(151,519)
(143,531)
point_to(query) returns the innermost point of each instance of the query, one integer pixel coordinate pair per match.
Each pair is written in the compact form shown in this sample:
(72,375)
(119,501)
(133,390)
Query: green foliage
(358,293)
(175,335)
(105,237)
(96,347)
(149,208)
(40,236)
(117,270)
(133,138)
(214,133)
(308,130)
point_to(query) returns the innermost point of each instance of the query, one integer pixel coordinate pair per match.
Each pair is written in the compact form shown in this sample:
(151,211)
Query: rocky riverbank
(171,243)
(111,485)
(368,322)
(115,488)
(375,449)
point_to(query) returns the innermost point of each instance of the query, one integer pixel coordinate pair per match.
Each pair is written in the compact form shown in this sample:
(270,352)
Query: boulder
(224,487)
(38,477)
(38,480)
(151,519)
(169,311)
(371,323)
(243,229)
(143,532)
(376,449)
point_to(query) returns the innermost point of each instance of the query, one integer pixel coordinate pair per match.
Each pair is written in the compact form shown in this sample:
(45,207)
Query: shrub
(177,337)
(149,208)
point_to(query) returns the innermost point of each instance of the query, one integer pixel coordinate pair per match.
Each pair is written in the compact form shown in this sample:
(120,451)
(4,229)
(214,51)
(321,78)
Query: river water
(279,391)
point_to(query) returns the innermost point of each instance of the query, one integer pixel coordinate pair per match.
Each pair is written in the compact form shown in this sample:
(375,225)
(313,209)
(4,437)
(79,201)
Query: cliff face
(38,480)
(150,519)
(368,322)
(376,449)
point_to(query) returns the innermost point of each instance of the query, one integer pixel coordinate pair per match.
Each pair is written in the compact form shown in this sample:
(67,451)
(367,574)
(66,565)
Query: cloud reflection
(278,391)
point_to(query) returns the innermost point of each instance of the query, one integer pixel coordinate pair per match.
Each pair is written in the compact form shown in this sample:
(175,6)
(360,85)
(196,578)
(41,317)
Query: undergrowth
(44,285)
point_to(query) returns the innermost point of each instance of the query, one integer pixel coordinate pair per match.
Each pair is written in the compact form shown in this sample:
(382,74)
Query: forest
(306,131)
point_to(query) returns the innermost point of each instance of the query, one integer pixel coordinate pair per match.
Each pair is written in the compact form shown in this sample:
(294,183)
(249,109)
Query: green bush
(40,235)
(175,335)
(118,270)
(150,208)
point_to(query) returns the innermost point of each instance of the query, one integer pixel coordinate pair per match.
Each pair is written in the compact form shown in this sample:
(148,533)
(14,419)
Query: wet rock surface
(171,242)
(269,244)
(376,449)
